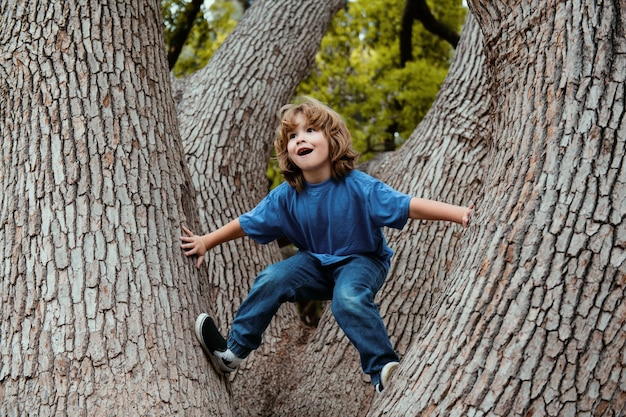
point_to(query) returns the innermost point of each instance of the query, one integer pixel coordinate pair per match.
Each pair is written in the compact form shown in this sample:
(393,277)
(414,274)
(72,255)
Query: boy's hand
(468,215)
(193,245)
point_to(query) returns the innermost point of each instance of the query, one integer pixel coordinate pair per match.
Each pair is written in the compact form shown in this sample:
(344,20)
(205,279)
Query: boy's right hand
(193,245)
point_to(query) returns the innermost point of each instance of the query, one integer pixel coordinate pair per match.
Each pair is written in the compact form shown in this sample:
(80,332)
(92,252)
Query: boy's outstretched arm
(199,245)
(423,209)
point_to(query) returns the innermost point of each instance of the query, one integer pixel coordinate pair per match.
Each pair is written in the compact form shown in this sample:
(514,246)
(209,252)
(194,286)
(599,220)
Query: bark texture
(532,318)
(522,314)
(227,121)
(94,288)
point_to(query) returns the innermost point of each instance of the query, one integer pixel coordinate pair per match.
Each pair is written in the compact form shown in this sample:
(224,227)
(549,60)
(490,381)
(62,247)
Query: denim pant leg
(300,277)
(356,284)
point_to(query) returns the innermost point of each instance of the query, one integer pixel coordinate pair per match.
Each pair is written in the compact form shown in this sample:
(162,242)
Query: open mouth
(304,151)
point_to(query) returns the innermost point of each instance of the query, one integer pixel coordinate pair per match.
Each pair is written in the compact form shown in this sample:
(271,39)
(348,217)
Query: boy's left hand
(468,215)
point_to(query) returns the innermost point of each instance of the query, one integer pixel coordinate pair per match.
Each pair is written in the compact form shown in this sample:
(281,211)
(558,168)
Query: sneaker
(214,344)
(385,375)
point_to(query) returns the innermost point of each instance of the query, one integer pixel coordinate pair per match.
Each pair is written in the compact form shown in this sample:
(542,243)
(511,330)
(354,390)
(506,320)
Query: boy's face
(308,148)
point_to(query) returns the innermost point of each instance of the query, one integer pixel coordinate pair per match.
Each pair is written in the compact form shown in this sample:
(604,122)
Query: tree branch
(185,23)
(419,10)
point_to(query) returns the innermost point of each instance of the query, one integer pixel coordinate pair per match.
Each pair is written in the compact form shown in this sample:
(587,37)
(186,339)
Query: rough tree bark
(94,289)
(523,314)
(532,319)
(227,121)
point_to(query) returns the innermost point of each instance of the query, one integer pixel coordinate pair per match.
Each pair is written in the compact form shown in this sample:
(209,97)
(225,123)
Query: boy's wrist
(206,241)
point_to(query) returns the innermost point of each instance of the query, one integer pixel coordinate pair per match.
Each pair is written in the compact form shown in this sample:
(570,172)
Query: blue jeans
(350,284)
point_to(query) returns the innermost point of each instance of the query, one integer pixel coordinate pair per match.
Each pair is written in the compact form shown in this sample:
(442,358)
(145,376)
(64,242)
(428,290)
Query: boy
(334,215)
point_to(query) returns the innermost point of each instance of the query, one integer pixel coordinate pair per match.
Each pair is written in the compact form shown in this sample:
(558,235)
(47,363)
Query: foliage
(212,26)
(358,71)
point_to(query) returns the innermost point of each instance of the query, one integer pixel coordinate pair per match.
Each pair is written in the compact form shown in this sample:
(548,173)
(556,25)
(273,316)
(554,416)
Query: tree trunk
(95,290)
(227,114)
(531,319)
(523,314)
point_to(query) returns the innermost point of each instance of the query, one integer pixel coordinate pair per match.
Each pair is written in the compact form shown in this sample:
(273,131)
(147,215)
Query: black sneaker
(385,375)
(214,344)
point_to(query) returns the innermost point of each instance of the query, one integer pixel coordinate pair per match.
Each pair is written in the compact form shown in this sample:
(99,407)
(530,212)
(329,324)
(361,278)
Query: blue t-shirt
(331,220)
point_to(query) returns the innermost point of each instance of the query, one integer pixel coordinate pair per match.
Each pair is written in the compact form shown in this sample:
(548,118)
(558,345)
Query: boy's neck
(317,177)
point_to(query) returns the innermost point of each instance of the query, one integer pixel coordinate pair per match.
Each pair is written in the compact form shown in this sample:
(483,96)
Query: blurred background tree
(360,73)
(380,64)
(194,29)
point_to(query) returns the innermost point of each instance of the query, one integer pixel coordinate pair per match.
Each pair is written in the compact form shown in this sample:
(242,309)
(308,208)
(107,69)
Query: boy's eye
(310,129)
(291,136)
